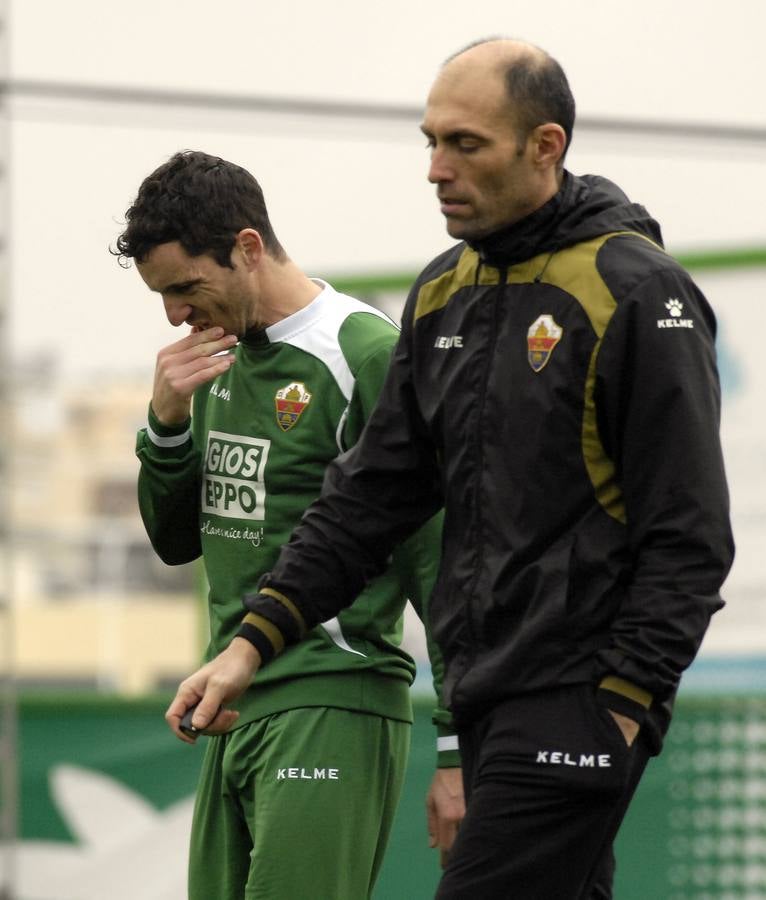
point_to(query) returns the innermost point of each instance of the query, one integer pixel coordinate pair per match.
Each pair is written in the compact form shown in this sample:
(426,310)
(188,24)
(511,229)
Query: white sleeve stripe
(172,440)
(449,742)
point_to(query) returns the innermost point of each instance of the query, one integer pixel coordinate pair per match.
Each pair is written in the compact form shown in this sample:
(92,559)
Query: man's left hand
(445,808)
(628,727)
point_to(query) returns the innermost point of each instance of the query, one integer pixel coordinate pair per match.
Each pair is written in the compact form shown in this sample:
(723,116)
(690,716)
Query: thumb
(431,823)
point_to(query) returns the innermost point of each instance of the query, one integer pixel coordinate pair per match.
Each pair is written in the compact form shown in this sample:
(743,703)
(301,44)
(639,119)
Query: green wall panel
(696,830)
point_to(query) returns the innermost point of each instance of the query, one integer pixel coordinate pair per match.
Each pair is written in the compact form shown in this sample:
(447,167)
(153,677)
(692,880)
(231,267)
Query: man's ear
(249,244)
(550,140)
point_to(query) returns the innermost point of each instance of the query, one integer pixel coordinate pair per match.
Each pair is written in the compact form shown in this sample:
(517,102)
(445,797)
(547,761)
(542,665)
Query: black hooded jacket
(555,388)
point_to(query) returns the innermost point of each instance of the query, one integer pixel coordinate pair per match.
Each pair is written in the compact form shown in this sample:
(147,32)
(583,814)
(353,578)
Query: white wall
(689,59)
(345,196)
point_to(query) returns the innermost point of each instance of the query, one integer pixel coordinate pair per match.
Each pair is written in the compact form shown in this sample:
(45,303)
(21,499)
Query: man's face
(484,177)
(197,291)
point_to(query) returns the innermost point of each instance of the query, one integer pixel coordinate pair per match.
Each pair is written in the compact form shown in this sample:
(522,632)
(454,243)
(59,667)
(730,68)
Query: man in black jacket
(555,388)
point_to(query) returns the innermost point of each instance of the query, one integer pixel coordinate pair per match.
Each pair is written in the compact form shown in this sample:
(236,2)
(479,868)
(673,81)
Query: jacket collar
(533,234)
(584,207)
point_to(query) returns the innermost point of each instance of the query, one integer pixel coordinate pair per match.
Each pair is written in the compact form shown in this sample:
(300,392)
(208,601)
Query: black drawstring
(539,277)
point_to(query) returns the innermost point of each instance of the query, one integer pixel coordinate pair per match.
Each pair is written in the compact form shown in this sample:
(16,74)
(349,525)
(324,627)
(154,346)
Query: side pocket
(606,721)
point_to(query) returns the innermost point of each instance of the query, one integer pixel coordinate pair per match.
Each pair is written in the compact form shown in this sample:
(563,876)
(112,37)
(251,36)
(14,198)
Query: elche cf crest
(290,401)
(542,337)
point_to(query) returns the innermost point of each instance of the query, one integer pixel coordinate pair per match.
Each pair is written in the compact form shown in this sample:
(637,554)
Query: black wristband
(277,613)
(258,639)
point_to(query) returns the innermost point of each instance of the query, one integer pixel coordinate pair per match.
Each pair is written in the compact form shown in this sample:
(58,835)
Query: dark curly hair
(203,202)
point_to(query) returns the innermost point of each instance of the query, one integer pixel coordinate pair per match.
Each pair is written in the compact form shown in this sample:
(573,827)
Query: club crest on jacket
(542,337)
(290,401)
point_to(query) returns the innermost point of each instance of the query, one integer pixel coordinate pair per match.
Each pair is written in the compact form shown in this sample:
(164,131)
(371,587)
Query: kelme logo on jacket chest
(542,337)
(290,401)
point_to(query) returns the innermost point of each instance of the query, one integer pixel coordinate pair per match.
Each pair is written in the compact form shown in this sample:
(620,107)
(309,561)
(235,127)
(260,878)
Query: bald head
(533,83)
(502,51)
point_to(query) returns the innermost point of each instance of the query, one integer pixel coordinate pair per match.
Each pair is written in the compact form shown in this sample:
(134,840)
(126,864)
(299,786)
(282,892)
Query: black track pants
(548,779)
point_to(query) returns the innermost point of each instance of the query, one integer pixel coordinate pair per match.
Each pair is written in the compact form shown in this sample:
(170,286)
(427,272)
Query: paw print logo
(674,307)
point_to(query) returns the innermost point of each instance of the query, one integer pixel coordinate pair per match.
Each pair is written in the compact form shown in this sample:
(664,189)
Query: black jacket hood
(585,207)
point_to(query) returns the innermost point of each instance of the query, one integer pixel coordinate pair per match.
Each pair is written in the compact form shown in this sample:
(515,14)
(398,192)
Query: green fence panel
(696,830)
(127,740)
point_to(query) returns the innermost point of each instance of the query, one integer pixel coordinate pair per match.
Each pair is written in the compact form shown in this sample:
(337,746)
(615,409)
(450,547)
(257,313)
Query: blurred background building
(321,102)
(94,605)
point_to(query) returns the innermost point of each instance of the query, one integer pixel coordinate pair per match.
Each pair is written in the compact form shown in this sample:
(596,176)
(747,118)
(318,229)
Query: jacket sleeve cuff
(447,751)
(262,635)
(272,622)
(167,436)
(624,697)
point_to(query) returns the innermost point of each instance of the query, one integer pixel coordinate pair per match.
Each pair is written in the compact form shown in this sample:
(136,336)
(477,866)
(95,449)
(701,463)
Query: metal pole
(8,717)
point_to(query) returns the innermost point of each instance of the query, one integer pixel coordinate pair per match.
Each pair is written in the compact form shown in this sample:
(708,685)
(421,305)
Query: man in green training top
(282,372)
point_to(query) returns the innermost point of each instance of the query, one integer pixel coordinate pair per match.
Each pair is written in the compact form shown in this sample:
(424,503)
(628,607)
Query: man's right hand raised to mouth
(183,366)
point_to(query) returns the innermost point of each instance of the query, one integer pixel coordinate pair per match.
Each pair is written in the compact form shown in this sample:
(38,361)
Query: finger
(200,366)
(210,347)
(185,698)
(222,723)
(199,335)
(194,347)
(431,822)
(195,337)
(447,835)
(212,369)
(207,341)
(211,339)
(184,379)
(210,707)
